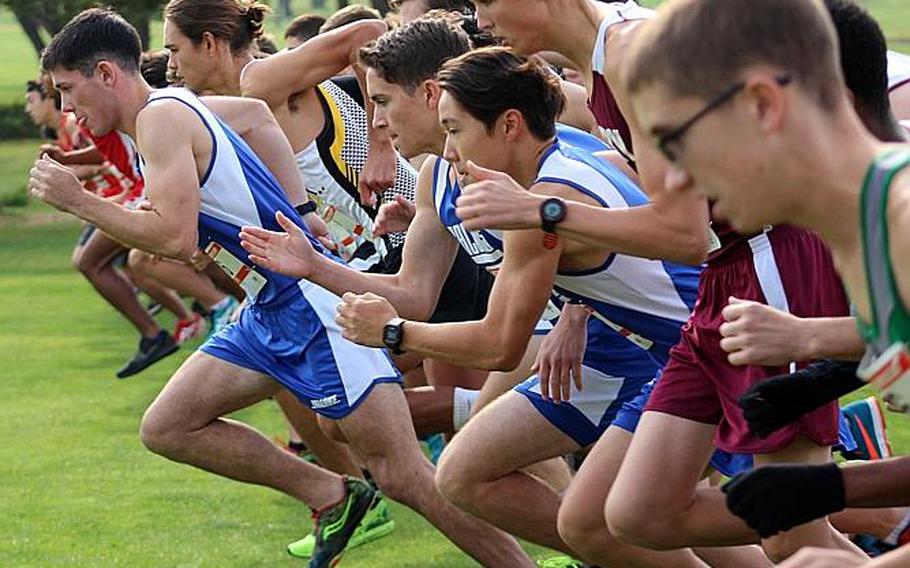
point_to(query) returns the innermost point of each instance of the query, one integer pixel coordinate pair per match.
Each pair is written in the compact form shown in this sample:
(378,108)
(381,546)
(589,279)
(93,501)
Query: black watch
(552,211)
(393,335)
(306,208)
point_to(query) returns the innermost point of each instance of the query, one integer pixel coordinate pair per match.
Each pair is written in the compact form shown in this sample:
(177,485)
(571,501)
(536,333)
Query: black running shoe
(335,525)
(153,308)
(151,350)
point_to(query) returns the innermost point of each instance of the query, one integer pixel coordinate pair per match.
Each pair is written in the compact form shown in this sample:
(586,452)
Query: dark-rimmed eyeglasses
(669,143)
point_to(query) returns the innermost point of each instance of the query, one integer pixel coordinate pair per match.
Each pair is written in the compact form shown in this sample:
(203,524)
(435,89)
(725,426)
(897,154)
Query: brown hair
(491,80)
(698,47)
(348,14)
(238,22)
(304,26)
(413,53)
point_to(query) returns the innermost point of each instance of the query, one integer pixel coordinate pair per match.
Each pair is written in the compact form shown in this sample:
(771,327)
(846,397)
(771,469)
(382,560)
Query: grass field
(77,489)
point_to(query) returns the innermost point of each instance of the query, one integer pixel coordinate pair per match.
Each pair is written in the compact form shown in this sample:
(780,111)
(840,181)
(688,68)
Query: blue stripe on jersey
(580,139)
(685,279)
(451,192)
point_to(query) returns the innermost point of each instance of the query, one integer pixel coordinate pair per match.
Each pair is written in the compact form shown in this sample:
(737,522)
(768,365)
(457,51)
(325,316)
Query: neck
(525,162)
(132,100)
(228,81)
(834,165)
(583,18)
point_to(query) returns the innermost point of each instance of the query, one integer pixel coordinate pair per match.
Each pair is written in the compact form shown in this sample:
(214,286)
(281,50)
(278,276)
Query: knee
(639,526)
(578,529)
(396,481)
(781,547)
(159,434)
(331,430)
(82,263)
(453,480)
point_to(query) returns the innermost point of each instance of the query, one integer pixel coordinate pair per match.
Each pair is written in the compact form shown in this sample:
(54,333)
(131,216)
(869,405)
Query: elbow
(505,360)
(693,248)
(182,247)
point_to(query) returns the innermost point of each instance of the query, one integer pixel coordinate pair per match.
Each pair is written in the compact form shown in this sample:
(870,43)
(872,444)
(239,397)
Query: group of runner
(436,233)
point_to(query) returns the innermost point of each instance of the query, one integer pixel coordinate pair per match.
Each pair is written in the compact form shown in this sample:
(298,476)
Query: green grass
(16,157)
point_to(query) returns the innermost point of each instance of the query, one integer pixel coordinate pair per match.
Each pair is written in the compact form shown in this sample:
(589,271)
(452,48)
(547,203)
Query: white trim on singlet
(768,274)
(619,12)
(898,70)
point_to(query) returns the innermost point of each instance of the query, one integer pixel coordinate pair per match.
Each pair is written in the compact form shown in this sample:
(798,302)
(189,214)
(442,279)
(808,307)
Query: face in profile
(515,22)
(188,64)
(90,99)
(40,109)
(467,139)
(405,115)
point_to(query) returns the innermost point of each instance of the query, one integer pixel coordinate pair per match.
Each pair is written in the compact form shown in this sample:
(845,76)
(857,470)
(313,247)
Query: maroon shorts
(785,268)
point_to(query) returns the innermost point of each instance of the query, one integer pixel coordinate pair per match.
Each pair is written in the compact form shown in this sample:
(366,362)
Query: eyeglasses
(669,143)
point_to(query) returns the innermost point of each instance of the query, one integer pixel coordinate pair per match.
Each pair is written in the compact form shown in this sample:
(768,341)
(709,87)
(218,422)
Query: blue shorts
(298,343)
(726,463)
(613,373)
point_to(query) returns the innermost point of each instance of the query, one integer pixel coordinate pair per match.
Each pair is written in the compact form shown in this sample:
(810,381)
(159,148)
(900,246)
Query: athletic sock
(901,533)
(462,402)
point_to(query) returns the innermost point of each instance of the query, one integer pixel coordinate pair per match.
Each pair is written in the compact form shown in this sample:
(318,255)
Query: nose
(483,19)
(65,104)
(449,152)
(379,118)
(677,179)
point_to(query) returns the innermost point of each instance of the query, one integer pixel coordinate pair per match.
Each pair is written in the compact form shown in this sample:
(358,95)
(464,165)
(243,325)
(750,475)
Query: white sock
(462,402)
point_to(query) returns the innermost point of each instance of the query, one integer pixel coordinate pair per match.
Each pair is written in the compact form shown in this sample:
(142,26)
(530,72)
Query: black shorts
(464,294)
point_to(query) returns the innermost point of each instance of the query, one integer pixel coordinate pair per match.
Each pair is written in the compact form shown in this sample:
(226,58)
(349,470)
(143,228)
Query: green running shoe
(376,524)
(559,562)
(335,525)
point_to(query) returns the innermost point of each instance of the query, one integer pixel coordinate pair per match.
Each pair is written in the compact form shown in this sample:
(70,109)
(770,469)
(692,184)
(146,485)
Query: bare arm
(496,342)
(171,182)
(576,112)
(286,73)
(427,259)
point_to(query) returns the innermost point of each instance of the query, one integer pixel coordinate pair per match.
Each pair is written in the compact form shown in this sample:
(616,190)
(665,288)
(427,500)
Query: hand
(777,401)
(52,151)
(289,253)
(560,355)
(756,334)
(809,557)
(378,172)
(317,226)
(496,201)
(394,216)
(777,498)
(363,316)
(54,184)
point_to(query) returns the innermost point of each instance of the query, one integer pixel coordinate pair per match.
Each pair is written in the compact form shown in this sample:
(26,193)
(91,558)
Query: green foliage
(15,124)
(15,160)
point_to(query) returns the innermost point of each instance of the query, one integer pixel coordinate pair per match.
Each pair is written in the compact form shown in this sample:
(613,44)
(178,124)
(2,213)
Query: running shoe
(221,314)
(151,350)
(376,524)
(153,308)
(867,422)
(434,444)
(560,562)
(335,525)
(189,329)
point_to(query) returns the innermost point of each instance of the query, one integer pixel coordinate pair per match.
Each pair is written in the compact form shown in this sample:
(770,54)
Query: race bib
(247,278)
(890,374)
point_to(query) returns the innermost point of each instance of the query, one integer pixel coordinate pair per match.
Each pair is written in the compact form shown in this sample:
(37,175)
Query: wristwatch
(552,211)
(393,335)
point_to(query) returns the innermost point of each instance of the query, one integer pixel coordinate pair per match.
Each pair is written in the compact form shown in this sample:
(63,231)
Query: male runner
(803,124)
(199,171)
(640,303)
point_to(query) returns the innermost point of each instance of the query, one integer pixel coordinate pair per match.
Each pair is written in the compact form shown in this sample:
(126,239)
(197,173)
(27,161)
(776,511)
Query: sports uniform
(898,70)
(639,304)
(330,167)
(288,330)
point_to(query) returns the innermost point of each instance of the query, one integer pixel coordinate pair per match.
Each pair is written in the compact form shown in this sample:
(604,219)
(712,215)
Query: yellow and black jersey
(331,166)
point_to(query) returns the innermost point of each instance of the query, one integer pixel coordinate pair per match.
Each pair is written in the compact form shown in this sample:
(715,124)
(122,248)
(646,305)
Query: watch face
(552,211)
(392,335)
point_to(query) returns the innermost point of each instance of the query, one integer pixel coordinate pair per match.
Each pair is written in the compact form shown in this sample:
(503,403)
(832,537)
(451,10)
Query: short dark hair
(463,6)
(863,57)
(154,68)
(266,46)
(93,35)
(698,47)
(347,15)
(416,51)
(489,81)
(238,22)
(304,27)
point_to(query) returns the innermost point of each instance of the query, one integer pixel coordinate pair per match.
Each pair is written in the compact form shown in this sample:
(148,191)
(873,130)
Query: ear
(511,123)
(106,71)
(431,93)
(769,101)
(209,44)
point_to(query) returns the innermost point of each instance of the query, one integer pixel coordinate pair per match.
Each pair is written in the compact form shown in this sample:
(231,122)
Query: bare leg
(332,455)
(581,517)
(381,433)
(177,276)
(663,466)
(876,522)
(171,301)
(819,532)
(479,470)
(94,262)
(185,424)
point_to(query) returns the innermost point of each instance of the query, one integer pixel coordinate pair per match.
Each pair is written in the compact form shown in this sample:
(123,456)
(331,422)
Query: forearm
(84,156)
(340,279)
(142,229)
(639,231)
(831,338)
(884,483)
(474,345)
(895,559)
